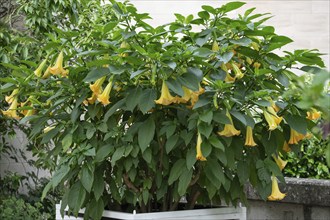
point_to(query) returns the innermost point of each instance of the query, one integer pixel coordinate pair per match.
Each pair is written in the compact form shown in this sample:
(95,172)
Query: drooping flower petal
(280,163)
(38,71)
(199,155)
(238,72)
(194,96)
(215,46)
(295,137)
(272,119)
(47,73)
(276,193)
(97,86)
(105,95)
(9,99)
(229,78)
(165,97)
(249,141)
(58,69)
(11,112)
(313,114)
(286,147)
(229,129)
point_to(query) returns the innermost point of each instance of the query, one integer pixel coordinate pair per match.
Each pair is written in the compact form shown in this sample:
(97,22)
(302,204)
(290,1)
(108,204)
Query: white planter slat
(238,213)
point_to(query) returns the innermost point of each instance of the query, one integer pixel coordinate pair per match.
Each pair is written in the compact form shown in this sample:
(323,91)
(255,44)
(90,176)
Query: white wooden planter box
(207,214)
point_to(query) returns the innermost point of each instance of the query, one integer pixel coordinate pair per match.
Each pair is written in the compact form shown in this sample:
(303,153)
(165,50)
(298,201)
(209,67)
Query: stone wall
(306,199)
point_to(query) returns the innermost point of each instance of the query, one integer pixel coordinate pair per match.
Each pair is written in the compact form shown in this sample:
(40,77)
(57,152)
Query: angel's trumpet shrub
(276,193)
(295,137)
(272,119)
(313,114)
(9,99)
(199,155)
(97,86)
(105,95)
(165,97)
(280,163)
(58,69)
(229,129)
(11,112)
(249,141)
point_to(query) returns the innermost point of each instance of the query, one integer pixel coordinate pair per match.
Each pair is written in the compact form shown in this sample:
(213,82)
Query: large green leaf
(59,175)
(184,181)
(170,142)
(146,133)
(76,197)
(96,74)
(176,171)
(87,178)
(147,100)
(297,122)
(98,186)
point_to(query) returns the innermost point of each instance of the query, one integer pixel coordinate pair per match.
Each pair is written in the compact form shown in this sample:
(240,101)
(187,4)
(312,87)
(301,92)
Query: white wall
(305,21)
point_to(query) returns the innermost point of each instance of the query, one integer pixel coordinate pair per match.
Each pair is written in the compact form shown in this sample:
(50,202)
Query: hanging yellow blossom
(38,71)
(194,96)
(165,98)
(280,163)
(313,114)
(215,46)
(238,72)
(199,155)
(11,112)
(286,147)
(276,193)
(46,73)
(58,69)
(274,106)
(229,129)
(249,137)
(229,78)
(185,98)
(91,100)
(9,99)
(105,95)
(295,137)
(272,119)
(97,86)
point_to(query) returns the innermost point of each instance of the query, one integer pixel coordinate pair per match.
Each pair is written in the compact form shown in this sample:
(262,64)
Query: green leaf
(206,116)
(103,152)
(117,155)
(205,129)
(59,175)
(242,41)
(95,209)
(201,102)
(87,178)
(232,6)
(209,9)
(90,132)
(147,155)
(109,26)
(175,86)
(221,118)
(66,142)
(98,186)
(46,190)
(170,143)
(133,98)
(147,100)
(214,172)
(297,122)
(271,140)
(243,171)
(96,73)
(226,57)
(146,133)
(176,171)
(214,141)
(191,158)
(138,72)
(184,181)
(114,108)
(76,197)
(202,52)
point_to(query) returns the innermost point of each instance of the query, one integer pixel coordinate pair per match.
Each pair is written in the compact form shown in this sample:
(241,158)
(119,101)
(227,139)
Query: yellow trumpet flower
(272,119)
(276,193)
(97,86)
(47,73)
(274,106)
(229,78)
(280,163)
(165,98)
(313,114)
(38,71)
(229,129)
(186,96)
(286,147)
(295,137)
(238,72)
(215,46)
(11,112)
(58,67)
(9,99)
(91,100)
(194,96)
(105,95)
(249,137)
(199,155)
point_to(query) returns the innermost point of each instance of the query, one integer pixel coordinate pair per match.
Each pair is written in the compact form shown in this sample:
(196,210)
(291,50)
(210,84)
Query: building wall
(304,21)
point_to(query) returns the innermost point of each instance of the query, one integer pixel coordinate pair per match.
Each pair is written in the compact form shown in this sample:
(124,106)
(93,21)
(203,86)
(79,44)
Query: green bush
(309,161)
(14,208)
